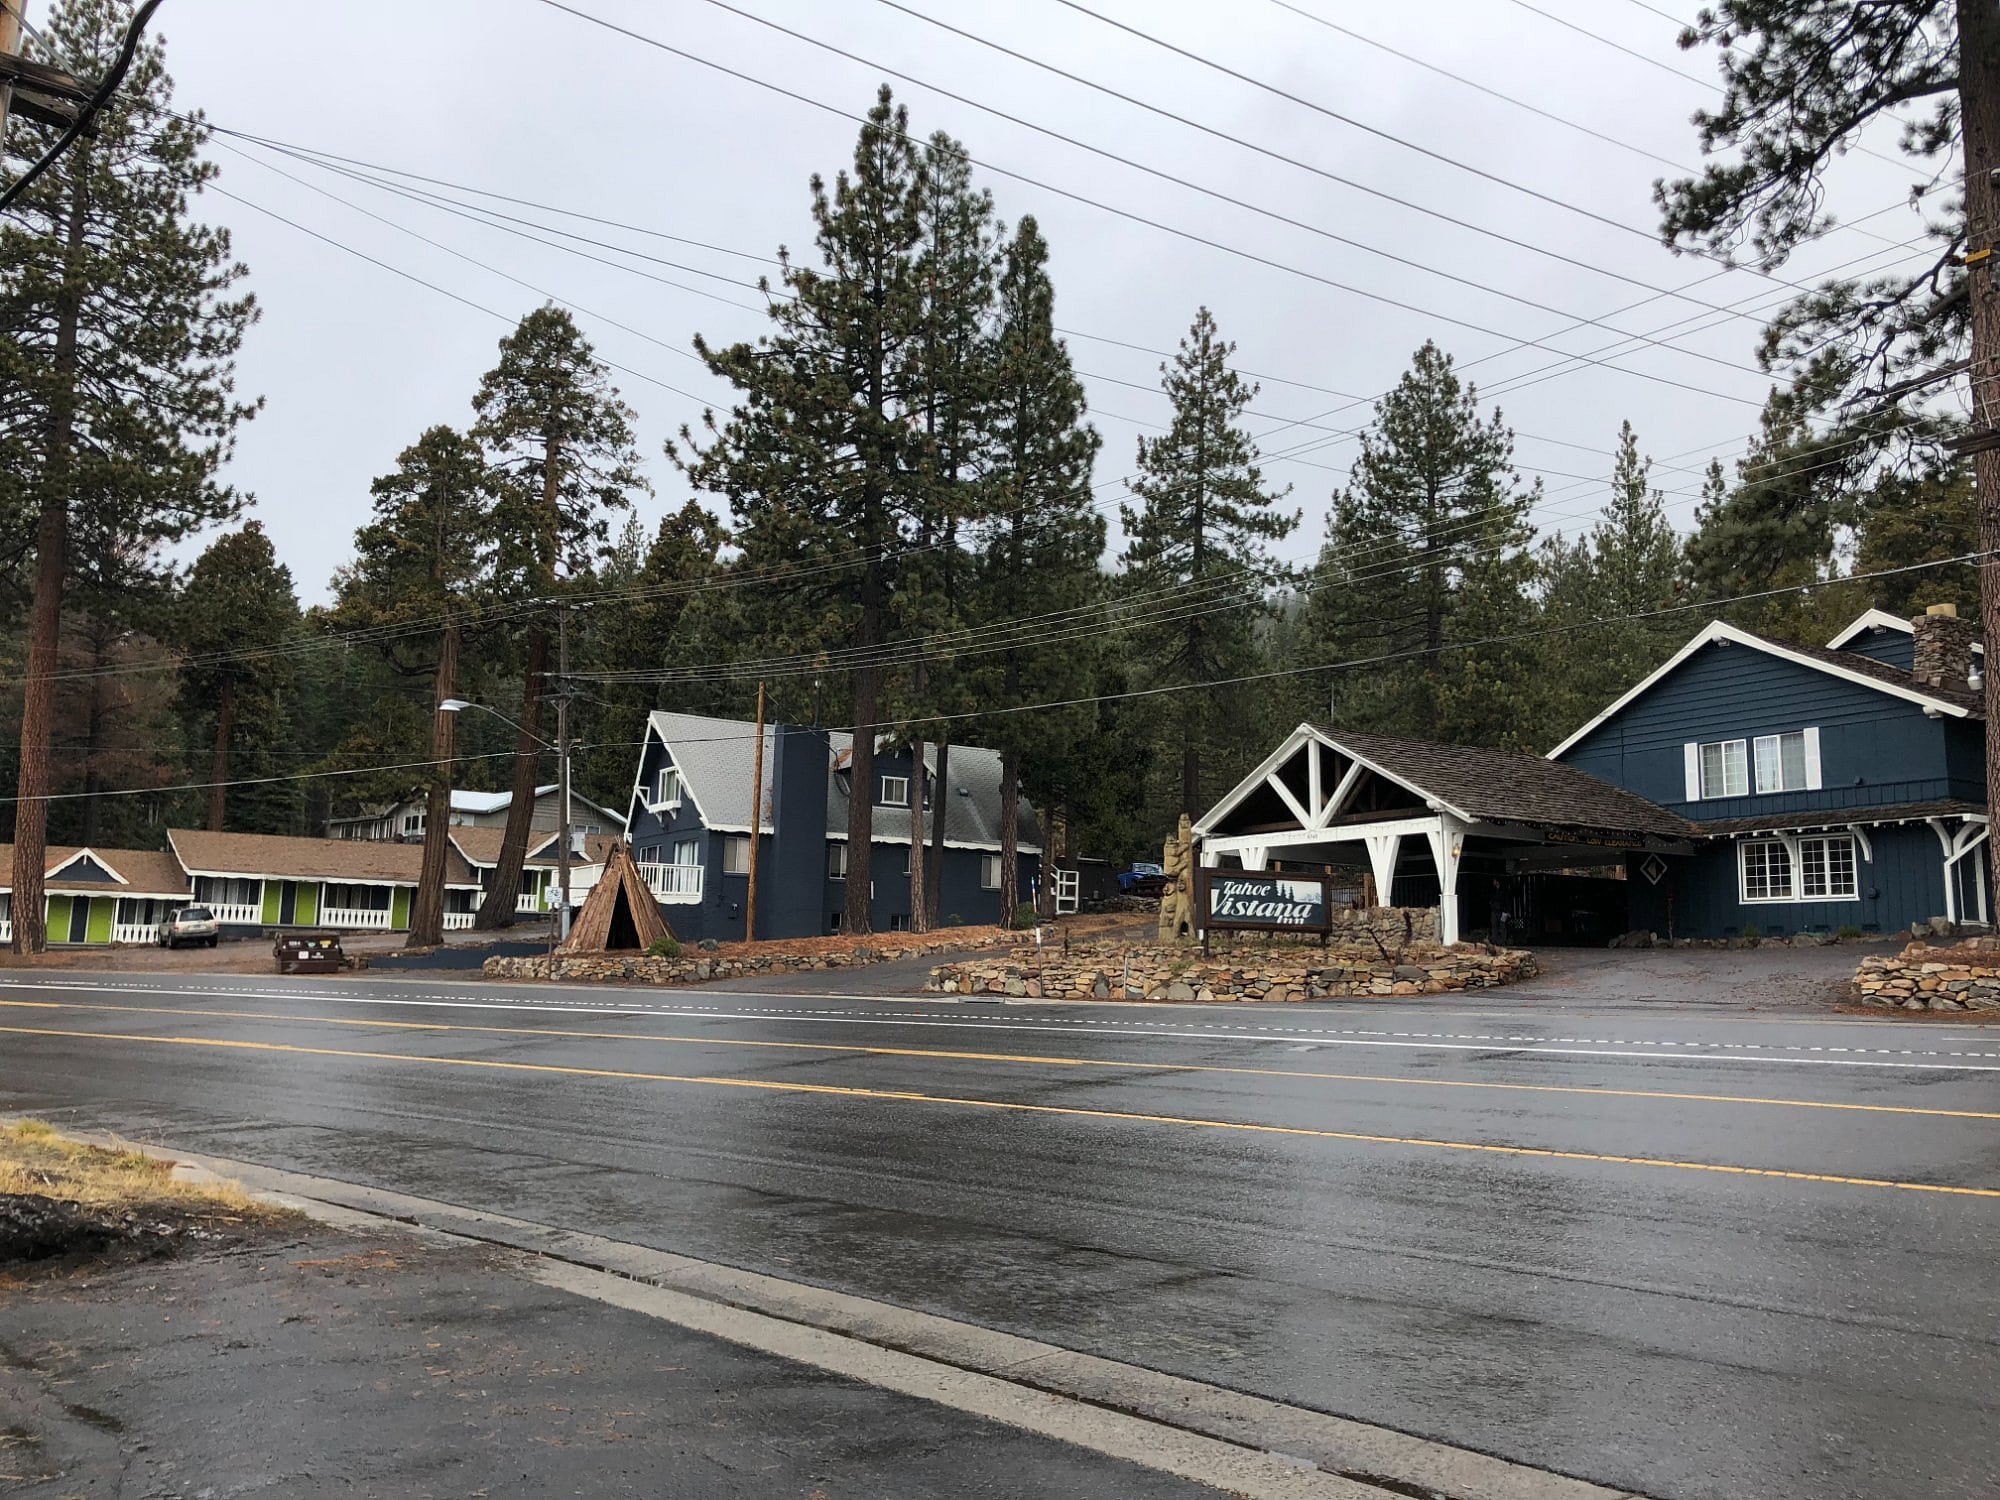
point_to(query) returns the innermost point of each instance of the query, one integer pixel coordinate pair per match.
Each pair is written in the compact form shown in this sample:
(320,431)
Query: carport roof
(1507,786)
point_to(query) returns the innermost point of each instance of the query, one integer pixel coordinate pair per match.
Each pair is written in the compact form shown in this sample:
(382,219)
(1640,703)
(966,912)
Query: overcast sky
(517,97)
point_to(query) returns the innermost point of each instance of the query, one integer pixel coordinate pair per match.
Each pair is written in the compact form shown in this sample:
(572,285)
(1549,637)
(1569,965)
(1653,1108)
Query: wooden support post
(757,821)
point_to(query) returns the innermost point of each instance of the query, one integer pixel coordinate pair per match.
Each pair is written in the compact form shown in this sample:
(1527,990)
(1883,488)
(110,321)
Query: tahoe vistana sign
(1229,900)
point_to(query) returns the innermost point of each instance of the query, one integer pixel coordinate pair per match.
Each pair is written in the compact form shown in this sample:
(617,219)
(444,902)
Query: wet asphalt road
(1668,1247)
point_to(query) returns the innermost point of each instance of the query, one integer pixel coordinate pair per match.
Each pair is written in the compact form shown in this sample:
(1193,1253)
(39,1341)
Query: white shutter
(1692,761)
(1812,759)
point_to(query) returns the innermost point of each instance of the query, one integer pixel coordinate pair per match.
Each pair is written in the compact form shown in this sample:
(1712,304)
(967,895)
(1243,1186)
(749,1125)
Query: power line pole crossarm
(1979,113)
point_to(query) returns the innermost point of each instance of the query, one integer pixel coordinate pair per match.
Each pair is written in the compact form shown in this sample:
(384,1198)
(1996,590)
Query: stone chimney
(1943,646)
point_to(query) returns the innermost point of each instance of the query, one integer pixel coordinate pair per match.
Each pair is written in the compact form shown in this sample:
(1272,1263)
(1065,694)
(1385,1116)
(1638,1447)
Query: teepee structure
(620,914)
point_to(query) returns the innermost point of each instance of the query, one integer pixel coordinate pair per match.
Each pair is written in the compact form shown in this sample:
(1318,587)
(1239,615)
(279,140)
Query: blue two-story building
(691,822)
(1747,785)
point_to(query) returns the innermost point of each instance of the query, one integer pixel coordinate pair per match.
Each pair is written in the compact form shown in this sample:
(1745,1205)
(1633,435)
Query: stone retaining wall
(1925,978)
(1270,973)
(696,967)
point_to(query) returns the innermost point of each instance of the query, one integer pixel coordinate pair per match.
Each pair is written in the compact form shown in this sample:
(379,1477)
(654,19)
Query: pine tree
(1038,551)
(1426,563)
(116,367)
(233,623)
(424,567)
(1602,595)
(1907,520)
(824,459)
(1775,529)
(1197,554)
(555,426)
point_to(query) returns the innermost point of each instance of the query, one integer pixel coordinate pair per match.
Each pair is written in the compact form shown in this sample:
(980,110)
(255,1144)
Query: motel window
(895,791)
(668,788)
(359,897)
(1826,868)
(989,872)
(413,822)
(1767,870)
(1725,769)
(836,861)
(736,854)
(1781,762)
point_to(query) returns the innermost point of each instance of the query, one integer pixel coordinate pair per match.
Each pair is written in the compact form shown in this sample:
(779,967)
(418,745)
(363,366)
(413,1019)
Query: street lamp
(561,749)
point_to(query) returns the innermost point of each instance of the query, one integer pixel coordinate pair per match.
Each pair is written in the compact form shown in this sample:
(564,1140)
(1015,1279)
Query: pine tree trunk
(1979,108)
(1010,836)
(218,766)
(427,910)
(859,915)
(31,812)
(918,921)
(497,907)
(934,870)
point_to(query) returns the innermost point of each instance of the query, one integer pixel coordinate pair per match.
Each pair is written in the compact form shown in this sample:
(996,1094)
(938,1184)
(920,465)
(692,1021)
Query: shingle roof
(362,861)
(147,872)
(1956,694)
(1508,786)
(715,760)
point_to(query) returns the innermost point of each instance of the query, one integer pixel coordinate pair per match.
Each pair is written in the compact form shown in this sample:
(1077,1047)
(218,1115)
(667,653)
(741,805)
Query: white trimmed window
(1725,768)
(1826,868)
(1781,762)
(413,822)
(989,872)
(836,860)
(667,788)
(895,792)
(736,854)
(1767,869)
(687,851)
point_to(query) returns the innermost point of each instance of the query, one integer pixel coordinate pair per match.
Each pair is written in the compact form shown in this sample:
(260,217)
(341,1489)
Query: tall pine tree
(555,427)
(117,389)
(1426,563)
(1199,566)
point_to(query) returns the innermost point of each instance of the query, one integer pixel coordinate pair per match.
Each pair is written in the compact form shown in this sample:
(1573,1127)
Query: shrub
(1849,933)
(1752,934)
(664,947)
(954,920)
(1025,915)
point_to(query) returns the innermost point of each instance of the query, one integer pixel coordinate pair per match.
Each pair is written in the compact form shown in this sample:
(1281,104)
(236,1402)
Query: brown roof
(363,861)
(147,872)
(481,846)
(1508,786)
(1835,817)
(1958,695)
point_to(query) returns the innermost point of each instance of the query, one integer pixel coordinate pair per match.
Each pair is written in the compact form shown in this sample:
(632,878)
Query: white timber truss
(1957,843)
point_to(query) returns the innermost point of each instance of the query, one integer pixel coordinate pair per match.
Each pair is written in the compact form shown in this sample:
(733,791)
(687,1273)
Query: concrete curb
(1144,1415)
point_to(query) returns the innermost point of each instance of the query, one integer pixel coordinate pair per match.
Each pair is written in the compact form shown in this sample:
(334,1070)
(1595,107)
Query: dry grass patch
(36,1161)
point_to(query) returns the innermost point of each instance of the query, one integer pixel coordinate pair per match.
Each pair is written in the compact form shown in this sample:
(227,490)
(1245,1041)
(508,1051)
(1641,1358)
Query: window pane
(1812,867)
(1768,777)
(1711,770)
(1794,754)
(1736,761)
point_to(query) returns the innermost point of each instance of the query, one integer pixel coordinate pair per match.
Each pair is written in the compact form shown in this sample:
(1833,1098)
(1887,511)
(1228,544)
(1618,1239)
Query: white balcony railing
(6,929)
(371,918)
(678,883)
(246,915)
(528,904)
(134,932)
(458,921)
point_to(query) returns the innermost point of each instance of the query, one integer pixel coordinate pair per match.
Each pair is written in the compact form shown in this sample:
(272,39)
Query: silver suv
(191,924)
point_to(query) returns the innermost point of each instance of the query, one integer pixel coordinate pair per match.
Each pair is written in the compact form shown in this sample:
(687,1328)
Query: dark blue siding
(1896,647)
(1875,749)
(1700,896)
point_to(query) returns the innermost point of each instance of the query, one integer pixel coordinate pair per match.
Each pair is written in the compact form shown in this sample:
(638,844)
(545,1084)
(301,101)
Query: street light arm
(453,705)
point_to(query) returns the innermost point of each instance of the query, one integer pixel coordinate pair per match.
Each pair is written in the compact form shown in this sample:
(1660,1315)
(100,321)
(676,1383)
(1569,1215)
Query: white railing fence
(458,921)
(371,918)
(245,915)
(528,903)
(680,883)
(134,932)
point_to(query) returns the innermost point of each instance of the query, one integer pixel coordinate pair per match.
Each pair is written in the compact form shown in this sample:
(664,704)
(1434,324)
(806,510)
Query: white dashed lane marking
(1647,1049)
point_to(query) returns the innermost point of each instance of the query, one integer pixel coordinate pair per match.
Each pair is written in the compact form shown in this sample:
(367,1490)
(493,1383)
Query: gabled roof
(136,872)
(714,757)
(1879,619)
(971,802)
(480,847)
(1958,702)
(276,857)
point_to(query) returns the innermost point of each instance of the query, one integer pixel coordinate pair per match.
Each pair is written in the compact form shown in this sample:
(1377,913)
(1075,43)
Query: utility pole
(757,823)
(1979,114)
(562,765)
(12,13)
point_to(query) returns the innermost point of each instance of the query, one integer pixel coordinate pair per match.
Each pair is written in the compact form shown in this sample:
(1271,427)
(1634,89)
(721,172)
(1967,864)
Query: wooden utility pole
(562,766)
(756,822)
(10,46)
(1979,113)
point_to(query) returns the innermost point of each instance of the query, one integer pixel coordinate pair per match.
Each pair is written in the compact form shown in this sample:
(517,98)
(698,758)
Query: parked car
(191,924)
(1142,880)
